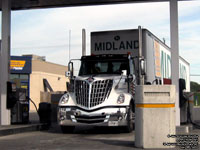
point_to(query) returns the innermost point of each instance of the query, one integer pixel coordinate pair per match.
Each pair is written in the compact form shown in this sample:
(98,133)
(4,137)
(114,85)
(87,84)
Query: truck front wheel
(67,129)
(130,119)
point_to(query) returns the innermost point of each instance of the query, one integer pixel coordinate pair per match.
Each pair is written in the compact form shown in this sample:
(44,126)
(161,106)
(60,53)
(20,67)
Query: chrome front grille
(92,94)
(99,91)
(82,93)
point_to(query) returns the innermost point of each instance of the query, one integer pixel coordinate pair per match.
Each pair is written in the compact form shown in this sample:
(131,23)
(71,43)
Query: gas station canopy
(37,4)
(7,5)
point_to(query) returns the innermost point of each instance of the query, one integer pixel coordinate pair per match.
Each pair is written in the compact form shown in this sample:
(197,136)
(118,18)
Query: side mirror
(68,74)
(182,99)
(143,66)
(70,70)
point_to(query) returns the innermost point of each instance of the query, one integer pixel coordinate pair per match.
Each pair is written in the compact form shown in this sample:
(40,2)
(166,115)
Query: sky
(52,32)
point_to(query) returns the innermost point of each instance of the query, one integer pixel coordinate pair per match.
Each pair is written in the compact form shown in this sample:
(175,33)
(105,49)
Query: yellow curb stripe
(155,105)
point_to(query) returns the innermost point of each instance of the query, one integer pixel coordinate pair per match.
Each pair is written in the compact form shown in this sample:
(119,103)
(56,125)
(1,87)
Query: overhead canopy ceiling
(34,4)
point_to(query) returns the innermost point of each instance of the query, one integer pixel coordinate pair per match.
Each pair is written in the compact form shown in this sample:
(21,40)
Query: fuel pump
(18,103)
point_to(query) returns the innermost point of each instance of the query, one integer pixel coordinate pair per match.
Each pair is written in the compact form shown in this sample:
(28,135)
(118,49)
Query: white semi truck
(103,92)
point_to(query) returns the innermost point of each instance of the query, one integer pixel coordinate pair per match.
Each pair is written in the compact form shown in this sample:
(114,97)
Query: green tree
(194,86)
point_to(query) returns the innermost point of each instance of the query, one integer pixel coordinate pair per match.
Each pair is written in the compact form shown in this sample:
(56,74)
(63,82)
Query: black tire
(130,120)
(44,112)
(67,129)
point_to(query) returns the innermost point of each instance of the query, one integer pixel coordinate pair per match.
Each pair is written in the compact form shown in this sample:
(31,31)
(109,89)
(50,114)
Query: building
(30,71)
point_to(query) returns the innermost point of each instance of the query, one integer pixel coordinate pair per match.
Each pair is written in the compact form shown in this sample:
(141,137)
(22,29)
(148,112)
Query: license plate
(113,123)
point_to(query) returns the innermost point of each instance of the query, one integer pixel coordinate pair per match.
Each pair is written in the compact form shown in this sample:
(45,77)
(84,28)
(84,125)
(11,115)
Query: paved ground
(82,138)
(86,138)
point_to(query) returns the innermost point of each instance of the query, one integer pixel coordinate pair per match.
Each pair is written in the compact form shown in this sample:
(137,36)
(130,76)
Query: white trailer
(156,53)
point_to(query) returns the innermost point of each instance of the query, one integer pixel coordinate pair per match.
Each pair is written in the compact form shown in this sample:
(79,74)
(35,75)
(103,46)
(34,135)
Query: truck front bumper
(107,116)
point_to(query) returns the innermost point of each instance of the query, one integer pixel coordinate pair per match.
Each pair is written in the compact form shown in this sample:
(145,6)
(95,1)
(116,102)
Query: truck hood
(100,77)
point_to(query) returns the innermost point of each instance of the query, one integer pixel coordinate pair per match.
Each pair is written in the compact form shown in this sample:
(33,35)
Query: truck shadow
(99,130)
(111,136)
(88,130)
(120,143)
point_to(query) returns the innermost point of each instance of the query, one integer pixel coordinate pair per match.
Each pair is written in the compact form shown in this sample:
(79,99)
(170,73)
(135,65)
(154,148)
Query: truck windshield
(90,67)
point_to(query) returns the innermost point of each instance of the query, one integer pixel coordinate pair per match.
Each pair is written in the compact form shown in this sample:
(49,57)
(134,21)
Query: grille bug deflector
(92,94)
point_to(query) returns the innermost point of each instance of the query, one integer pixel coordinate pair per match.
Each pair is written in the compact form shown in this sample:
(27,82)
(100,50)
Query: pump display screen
(90,67)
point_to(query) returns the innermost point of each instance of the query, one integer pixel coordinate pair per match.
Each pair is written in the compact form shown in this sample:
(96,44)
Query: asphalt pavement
(31,137)
(83,138)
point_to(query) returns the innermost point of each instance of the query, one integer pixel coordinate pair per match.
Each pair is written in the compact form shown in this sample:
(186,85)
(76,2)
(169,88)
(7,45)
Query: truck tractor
(101,95)
(103,92)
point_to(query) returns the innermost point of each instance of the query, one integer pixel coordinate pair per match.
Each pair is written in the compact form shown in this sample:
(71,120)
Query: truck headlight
(120,99)
(64,99)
